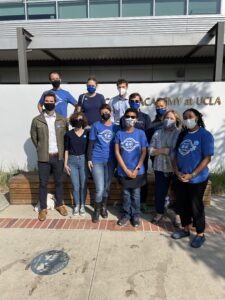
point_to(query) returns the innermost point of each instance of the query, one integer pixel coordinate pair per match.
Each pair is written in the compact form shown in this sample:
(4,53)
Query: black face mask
(78,123)
(56,83)
(49,106)
(105,117)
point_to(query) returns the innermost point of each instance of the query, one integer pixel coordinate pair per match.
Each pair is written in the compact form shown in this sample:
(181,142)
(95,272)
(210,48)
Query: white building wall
(18,106)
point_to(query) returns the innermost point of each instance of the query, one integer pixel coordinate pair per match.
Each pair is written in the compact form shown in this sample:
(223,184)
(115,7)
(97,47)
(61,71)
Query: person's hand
(135,172)
(130,173)
(67,169)
(179,175)
(90,165)
(186,177)
(164,151)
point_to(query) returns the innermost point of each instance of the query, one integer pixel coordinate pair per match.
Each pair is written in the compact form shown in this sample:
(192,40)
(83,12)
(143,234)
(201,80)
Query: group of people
(118,138)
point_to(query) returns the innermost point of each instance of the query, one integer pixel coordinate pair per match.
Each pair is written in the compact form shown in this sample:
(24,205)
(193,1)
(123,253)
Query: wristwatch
(137,168)
(193,174)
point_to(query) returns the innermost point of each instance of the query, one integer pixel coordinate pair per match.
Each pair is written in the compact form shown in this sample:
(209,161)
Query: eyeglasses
(130,117)
(135,101)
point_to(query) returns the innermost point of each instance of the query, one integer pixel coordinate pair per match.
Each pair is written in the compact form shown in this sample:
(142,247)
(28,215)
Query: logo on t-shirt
(106,135)
(129,144)
(188,146)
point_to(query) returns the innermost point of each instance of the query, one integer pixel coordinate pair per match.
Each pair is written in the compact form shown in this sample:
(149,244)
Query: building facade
(140,40)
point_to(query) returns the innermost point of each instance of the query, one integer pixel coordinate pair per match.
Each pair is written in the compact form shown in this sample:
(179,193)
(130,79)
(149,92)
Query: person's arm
(153,151)
(141,161)
(89,154)
(40,103)
(66,167)
(33,133)
(40,108)
(200,167)
(121,162)
(71,99)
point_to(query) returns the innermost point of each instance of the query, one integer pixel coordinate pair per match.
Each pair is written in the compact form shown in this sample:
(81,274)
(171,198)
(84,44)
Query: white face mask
(190,123)
(130,122)
(122,91)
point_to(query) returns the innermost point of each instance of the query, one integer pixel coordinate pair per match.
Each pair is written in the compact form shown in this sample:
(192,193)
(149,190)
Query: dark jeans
(190,204)
(144,188)
(55,166)
(162,184)
(131,202)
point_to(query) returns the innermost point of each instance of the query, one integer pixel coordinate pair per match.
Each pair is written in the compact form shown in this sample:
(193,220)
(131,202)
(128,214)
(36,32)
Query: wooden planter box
(24,189)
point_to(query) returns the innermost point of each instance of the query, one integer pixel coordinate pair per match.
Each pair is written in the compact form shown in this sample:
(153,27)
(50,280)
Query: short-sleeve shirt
(131,144)
(90,107)
(74,144)
(63,97)
(119,106)
(104,137)
(194,147)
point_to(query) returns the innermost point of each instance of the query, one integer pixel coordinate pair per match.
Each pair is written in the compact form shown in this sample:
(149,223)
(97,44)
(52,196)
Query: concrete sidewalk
(112,265)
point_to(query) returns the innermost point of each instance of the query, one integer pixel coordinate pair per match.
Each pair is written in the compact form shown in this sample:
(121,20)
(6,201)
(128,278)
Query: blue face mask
(91,89)
(134,105)
(161,111)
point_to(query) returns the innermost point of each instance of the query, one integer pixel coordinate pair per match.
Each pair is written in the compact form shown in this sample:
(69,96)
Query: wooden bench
(24,189)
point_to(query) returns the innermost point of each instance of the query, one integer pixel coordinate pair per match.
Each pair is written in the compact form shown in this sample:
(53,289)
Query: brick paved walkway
(110,225)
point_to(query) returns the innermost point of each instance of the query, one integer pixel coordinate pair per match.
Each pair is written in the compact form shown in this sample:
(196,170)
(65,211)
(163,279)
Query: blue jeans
(131,202)
(102,175)
(162,184)
(78,166)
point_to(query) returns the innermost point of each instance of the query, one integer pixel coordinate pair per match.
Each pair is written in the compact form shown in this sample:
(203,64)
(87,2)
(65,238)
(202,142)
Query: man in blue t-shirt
(63,97)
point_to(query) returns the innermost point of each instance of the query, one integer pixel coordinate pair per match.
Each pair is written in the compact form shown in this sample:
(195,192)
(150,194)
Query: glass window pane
(12,11)
(170,7)
(102,9)
(204,7)
(41,11)
(135,8)
(73,9)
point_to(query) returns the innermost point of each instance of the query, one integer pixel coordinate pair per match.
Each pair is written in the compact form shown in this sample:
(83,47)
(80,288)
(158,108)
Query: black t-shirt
(90,107)
(76,145)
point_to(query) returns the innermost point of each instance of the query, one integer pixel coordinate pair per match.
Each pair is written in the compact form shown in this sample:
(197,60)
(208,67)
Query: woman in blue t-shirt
(130,150)
(75,163)
(101,159)
(194,149)
(90,102)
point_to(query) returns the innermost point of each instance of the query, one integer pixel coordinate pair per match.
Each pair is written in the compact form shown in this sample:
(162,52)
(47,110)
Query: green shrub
(218,181)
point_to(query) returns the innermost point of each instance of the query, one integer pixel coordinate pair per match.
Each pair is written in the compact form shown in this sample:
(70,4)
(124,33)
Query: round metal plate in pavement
(49,262)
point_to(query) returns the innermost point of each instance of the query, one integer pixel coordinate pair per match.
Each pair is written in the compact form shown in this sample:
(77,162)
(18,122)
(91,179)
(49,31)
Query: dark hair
(50,94)
(75,116)
(183,133)
(120,81)
(105,106)
(131,110)
(161,99)
(200,121)
(93,79)
(53,72)
(136,95)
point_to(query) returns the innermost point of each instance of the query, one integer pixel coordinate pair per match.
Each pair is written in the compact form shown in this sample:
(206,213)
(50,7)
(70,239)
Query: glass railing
(73,9)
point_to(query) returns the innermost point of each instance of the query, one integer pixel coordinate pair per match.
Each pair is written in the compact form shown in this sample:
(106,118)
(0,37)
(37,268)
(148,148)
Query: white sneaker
(82,210)
(76,210)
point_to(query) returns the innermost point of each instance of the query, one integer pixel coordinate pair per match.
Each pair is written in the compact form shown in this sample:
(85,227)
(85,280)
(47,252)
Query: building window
(197,7)
(72,9)
(134,8)
(12,11)
(103,9)
(170,7)
(41,10)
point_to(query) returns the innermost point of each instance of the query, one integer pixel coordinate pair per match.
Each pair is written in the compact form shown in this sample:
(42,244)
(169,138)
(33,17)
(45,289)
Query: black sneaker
(180,234)
(135,222)
(198,241)
(123,221)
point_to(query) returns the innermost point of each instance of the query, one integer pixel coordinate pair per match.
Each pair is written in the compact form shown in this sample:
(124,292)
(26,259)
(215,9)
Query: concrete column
(219,45)
(23,38)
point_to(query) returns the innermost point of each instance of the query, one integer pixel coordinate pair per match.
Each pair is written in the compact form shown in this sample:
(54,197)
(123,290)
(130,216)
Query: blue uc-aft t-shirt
(104,136)
(63,97)
(192,150)
(131,144)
